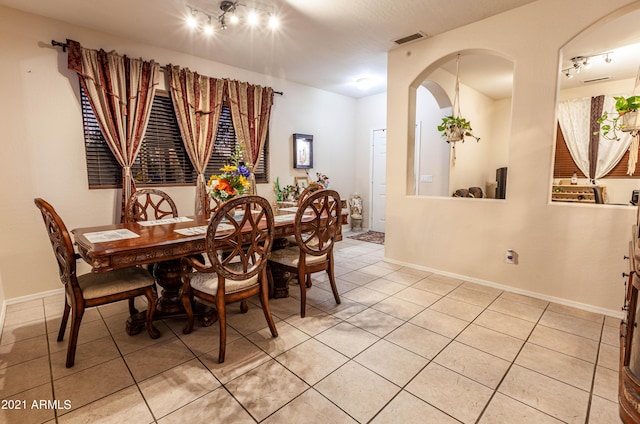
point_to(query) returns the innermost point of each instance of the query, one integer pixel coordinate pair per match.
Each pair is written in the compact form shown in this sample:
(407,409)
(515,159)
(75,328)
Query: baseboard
(34,296)
(21,299)
(561,301)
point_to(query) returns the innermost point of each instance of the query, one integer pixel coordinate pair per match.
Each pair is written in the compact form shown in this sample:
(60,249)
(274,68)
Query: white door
(379,180)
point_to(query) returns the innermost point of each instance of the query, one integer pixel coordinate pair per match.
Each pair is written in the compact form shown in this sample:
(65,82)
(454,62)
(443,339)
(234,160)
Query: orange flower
(224,185)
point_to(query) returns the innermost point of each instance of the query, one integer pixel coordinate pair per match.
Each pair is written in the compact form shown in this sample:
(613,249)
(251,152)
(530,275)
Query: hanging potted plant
(456,129)
(628,119)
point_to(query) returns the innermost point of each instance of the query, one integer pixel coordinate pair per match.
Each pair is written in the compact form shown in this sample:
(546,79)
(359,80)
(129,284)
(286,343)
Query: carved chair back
(61,244)
(311,188)
(149,204)
(241,252)
(317,237)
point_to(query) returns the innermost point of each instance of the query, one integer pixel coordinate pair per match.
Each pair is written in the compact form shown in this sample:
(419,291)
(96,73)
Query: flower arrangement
(322,180)
(286,193)
(233,181)
(291,192)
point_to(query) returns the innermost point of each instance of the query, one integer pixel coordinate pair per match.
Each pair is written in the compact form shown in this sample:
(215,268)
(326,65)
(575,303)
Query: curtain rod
(64,46)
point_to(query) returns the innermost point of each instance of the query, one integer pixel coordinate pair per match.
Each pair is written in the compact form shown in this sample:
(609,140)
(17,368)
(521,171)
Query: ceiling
(620,36)
(327,44)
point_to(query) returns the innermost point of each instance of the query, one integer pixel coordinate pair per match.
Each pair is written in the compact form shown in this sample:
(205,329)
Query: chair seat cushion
(207,282)
(102,284)
(291,255)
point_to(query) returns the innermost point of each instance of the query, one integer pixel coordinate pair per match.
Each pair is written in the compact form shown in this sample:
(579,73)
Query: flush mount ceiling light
(363,83)
(231,13)
(579,63)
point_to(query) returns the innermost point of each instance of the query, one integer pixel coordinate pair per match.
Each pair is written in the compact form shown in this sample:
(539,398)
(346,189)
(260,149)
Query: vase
(454,134)
(630,121)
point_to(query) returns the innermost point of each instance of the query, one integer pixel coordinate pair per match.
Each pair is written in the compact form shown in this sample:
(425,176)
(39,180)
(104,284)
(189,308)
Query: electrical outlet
(510,256)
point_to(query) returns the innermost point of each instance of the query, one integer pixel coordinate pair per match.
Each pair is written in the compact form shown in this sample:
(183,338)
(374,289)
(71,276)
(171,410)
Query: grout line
(509,369)
(46,336)
(595,371)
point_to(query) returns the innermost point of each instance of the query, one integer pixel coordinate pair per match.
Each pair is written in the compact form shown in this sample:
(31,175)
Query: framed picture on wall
(302,151)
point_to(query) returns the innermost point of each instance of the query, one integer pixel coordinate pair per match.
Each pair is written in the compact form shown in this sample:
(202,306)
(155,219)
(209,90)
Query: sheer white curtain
(611,151)
(574,118)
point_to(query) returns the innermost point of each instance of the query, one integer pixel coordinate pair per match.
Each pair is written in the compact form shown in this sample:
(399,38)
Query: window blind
(564,164)
(162,159)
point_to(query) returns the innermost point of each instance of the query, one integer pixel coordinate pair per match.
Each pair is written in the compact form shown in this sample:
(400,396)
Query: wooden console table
(629,379)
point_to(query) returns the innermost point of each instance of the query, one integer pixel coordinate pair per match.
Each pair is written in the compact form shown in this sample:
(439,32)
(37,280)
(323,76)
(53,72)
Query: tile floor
(405,346)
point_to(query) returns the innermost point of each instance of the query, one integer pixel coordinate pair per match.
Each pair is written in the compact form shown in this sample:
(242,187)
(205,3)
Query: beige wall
(43,152)
(571,253)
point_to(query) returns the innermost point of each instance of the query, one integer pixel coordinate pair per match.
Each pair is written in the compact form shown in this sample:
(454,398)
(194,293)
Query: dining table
(163,243)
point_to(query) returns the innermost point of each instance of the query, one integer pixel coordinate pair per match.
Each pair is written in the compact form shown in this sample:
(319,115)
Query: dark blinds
(226,144)
(102,168)
(162,160)
(564,164)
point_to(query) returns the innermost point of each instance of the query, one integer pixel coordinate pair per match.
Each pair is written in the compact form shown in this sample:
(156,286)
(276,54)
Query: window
(564,164)
(162,159)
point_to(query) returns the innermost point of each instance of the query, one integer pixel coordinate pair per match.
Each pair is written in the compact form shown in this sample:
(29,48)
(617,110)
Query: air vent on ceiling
(413,37)
(596,80)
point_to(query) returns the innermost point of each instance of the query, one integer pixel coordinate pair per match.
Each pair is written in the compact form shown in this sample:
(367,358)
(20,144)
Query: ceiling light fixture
(192,19)
(208,28)
(230,14)
(363,84)
(579,63)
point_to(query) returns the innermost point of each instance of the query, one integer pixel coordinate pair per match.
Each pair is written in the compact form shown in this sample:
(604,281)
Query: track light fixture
(579,63)
(231,13)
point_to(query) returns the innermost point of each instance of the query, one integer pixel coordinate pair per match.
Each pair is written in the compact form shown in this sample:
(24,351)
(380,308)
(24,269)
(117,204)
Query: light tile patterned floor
(403,346)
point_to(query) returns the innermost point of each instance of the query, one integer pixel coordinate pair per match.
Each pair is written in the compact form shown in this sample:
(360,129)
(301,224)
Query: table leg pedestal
(168,275)
(281,281)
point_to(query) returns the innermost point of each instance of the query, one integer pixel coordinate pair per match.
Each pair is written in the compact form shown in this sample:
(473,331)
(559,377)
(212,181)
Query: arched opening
(439,168)
(597,65)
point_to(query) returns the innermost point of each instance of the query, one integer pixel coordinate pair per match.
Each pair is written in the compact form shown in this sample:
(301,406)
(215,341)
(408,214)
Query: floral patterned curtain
(121,91)
(250,111)
(197,101)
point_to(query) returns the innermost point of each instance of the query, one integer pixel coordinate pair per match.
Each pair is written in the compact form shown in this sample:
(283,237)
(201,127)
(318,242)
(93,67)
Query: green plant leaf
(633,103)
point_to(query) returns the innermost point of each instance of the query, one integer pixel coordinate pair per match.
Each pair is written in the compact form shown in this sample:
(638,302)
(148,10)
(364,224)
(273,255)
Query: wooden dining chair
(147,205)
(311,188)
(211,205)
(316,224)
(238,248)
(93,289)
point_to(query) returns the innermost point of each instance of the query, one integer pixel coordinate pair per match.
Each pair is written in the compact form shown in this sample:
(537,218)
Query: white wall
(371,114)
(434,159)
(43,147)
(566,252)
